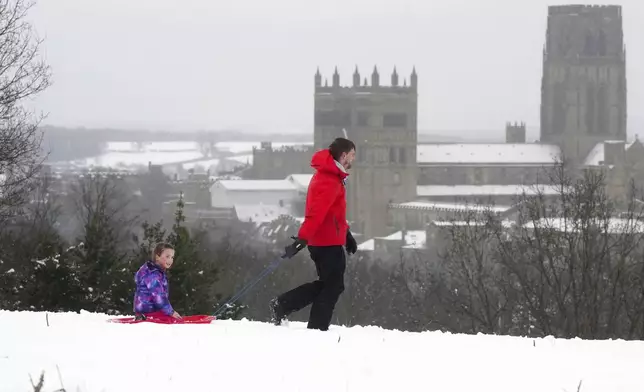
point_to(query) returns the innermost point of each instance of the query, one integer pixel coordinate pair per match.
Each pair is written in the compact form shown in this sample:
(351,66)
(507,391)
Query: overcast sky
(211,64)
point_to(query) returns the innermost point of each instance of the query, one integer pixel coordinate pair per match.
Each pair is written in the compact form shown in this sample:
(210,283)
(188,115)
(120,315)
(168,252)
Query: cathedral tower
(583,90)
(382,121)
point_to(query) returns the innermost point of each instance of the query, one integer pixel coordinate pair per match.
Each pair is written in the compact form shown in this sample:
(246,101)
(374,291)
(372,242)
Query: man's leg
(331,263)
(299,297)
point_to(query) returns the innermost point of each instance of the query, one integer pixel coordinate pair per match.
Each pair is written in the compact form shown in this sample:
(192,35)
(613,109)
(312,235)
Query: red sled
(163,319)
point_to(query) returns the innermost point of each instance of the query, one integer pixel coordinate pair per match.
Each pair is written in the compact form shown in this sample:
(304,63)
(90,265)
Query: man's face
(346,160)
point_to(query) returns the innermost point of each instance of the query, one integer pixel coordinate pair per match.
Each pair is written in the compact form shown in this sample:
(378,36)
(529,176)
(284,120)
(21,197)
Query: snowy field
(93,355)
(131,155)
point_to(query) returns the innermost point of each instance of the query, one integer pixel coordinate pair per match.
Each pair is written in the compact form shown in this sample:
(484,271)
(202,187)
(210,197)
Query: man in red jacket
(325,231)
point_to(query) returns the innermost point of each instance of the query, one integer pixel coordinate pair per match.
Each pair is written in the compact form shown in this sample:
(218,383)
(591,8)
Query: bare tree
(572,256)
(104,263)
(474,291)
(22,76)
(568,263)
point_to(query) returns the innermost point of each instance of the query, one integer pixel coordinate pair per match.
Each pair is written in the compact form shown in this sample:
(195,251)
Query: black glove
(294,248)
(351,245)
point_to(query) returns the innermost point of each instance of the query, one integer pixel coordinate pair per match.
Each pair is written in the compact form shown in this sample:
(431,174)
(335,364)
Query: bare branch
(22,76)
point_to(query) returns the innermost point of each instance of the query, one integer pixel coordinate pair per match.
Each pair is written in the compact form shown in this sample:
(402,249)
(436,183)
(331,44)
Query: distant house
(227,193)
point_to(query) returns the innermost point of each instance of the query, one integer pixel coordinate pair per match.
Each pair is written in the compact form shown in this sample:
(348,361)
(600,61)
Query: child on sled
(151,298)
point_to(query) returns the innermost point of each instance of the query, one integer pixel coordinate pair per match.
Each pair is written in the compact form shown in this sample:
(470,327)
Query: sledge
(196,319)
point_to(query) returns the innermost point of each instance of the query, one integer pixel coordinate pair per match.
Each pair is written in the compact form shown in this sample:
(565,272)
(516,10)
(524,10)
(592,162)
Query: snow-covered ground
(142,159)
(93,355)
(134,156)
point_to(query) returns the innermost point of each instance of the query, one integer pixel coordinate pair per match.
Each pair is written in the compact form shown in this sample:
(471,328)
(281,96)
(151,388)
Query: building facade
(382,121)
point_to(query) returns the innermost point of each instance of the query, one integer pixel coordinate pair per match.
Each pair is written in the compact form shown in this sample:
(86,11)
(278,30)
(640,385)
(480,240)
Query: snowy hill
(93,355)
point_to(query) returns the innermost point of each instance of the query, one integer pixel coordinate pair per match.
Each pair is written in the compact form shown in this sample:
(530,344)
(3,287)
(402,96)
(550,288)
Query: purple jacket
(152,292)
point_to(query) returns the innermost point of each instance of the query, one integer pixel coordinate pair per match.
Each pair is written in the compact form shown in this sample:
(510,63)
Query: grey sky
(209,64)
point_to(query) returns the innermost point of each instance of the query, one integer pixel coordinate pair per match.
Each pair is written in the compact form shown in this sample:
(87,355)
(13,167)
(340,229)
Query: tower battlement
(582,33)
(363,85)
(578,9)
(515,132)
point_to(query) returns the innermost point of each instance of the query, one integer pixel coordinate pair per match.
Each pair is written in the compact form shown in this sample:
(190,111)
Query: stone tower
(583,90)
(382,122)
(515,133)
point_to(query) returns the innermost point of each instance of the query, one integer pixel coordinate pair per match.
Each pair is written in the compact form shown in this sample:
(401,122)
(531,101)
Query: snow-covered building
(480,164)
(416,215)
(227,193)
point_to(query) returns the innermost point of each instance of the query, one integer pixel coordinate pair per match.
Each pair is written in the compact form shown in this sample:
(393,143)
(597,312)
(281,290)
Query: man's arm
(159,296)
(322,197)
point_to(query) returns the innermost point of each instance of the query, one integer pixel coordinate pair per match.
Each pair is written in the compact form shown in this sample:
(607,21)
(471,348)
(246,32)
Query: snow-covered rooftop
(519,154)
(481,190)
(256,185)
(206,164)
(259,213)
(613,226)
(301,181)
(367,246)
(414,239)
(430,205)
(596,155)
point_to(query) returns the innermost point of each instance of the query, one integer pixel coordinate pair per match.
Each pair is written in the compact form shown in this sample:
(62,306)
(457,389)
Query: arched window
(601,43)
(589,45)
(397,178)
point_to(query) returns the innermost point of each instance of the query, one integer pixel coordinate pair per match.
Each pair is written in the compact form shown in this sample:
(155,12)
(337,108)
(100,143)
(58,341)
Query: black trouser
(330,263)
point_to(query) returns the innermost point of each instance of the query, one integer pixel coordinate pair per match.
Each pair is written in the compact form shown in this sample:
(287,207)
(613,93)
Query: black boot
(277,314)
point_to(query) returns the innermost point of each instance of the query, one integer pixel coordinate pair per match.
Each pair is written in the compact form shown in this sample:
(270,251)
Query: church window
(590,47)
(402,158)
(591,110)
(363,119)
(603,111)
(396,120)
(332,118)
(392,155)
(396,178)
(559,109)
(382,155)
(601,43)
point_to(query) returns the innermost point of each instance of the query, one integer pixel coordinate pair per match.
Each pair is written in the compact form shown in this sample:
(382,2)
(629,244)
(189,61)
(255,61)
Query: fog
(249,64)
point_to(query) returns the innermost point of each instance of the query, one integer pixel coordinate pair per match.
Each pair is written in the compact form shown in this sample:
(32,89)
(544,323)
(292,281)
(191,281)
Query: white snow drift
(93,355)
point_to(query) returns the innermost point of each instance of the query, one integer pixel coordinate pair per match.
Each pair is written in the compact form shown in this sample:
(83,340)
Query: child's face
(166,258)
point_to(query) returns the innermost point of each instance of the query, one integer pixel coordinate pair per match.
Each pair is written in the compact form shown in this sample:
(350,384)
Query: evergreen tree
(103,264)
(39,274)
(54,284)
(192,277)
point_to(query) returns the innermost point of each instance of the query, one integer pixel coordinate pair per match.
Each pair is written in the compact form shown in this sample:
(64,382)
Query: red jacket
(325,221)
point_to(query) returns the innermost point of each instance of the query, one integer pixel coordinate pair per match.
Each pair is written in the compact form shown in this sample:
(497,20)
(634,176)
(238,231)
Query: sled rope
(250,285)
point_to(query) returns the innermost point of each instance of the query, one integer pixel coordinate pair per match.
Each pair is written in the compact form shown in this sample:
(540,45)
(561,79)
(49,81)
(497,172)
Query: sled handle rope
(272,266)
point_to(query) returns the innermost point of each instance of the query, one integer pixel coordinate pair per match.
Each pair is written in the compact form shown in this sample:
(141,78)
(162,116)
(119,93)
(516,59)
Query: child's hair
(159,248)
